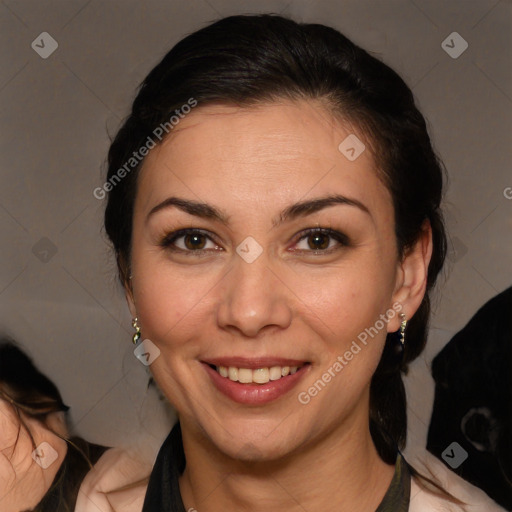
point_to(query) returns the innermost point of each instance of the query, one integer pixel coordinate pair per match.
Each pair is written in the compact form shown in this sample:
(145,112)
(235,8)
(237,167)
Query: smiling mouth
(256,375)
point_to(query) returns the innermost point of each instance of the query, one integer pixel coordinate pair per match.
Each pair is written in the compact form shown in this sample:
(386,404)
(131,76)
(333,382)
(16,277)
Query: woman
(274,206)
(41,466)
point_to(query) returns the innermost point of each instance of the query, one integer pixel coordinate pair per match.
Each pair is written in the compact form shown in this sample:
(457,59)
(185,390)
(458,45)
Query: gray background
(58,291)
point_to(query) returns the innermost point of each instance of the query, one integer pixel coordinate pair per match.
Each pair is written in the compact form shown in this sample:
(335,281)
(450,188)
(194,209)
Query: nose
(254,298)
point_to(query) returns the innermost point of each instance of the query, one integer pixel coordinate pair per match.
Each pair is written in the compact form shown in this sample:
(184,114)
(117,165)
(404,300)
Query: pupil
(317,241)
(194,241)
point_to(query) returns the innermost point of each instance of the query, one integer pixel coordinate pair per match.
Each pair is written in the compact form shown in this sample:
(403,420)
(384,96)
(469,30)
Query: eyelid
(168,240)
(341,238)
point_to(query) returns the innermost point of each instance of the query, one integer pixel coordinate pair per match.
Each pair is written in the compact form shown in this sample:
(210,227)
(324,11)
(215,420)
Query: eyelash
(168,241)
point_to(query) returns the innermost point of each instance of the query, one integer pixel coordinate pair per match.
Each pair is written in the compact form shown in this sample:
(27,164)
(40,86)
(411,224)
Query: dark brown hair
(246,60)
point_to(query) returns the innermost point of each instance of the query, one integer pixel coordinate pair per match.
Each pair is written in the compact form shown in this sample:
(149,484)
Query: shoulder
(423,499)
(117,482)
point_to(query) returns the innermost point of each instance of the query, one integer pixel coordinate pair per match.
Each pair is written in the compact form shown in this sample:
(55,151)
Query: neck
(341,467)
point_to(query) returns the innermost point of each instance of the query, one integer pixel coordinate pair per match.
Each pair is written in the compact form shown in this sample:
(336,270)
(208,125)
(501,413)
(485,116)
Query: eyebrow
(294,211)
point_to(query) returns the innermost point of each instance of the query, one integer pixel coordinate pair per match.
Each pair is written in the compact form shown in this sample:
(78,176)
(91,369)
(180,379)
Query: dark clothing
(473,399)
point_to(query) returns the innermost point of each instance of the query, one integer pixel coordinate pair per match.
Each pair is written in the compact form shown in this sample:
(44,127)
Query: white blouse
(423,500)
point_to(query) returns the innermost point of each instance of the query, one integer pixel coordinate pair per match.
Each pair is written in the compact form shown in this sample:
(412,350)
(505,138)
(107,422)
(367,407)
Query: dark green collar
(398,495)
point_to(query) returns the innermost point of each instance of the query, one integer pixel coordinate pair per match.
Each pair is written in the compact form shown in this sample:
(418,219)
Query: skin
(23,483)
(252,163)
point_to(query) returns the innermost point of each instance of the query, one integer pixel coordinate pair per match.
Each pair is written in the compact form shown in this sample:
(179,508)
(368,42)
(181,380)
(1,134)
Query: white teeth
(275,373)
(261,375)
(233,373)
(244,375)
(257,376)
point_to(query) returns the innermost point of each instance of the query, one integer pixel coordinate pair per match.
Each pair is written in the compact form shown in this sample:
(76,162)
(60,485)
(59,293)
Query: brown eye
(189,241)
(321,241)
(194,241)
(318,241)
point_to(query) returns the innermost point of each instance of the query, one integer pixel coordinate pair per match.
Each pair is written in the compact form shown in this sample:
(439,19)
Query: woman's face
(249,288)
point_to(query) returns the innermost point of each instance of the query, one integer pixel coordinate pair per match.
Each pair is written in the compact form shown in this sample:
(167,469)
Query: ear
(411,277)
(127,280)
(128,293)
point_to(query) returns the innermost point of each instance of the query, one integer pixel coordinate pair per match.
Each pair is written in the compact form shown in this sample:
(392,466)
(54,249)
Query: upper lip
(253,363)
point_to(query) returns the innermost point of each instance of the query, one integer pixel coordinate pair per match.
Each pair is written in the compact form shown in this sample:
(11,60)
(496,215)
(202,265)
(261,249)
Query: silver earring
(403,325)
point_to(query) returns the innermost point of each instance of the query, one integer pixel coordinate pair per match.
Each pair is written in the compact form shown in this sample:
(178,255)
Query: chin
(254,443)
(245,450)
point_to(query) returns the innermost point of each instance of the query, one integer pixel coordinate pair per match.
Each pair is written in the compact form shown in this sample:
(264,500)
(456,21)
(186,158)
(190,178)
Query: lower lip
(255,394)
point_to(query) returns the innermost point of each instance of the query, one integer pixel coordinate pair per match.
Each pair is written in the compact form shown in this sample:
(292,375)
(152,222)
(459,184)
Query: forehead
(272,151)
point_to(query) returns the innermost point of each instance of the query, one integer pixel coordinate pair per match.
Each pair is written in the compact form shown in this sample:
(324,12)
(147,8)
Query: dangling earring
(136,336)
(403,325)
(393,354)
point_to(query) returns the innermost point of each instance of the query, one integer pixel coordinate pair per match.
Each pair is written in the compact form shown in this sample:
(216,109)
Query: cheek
(170,311)
(172,303)
(348,298)
(345,309)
